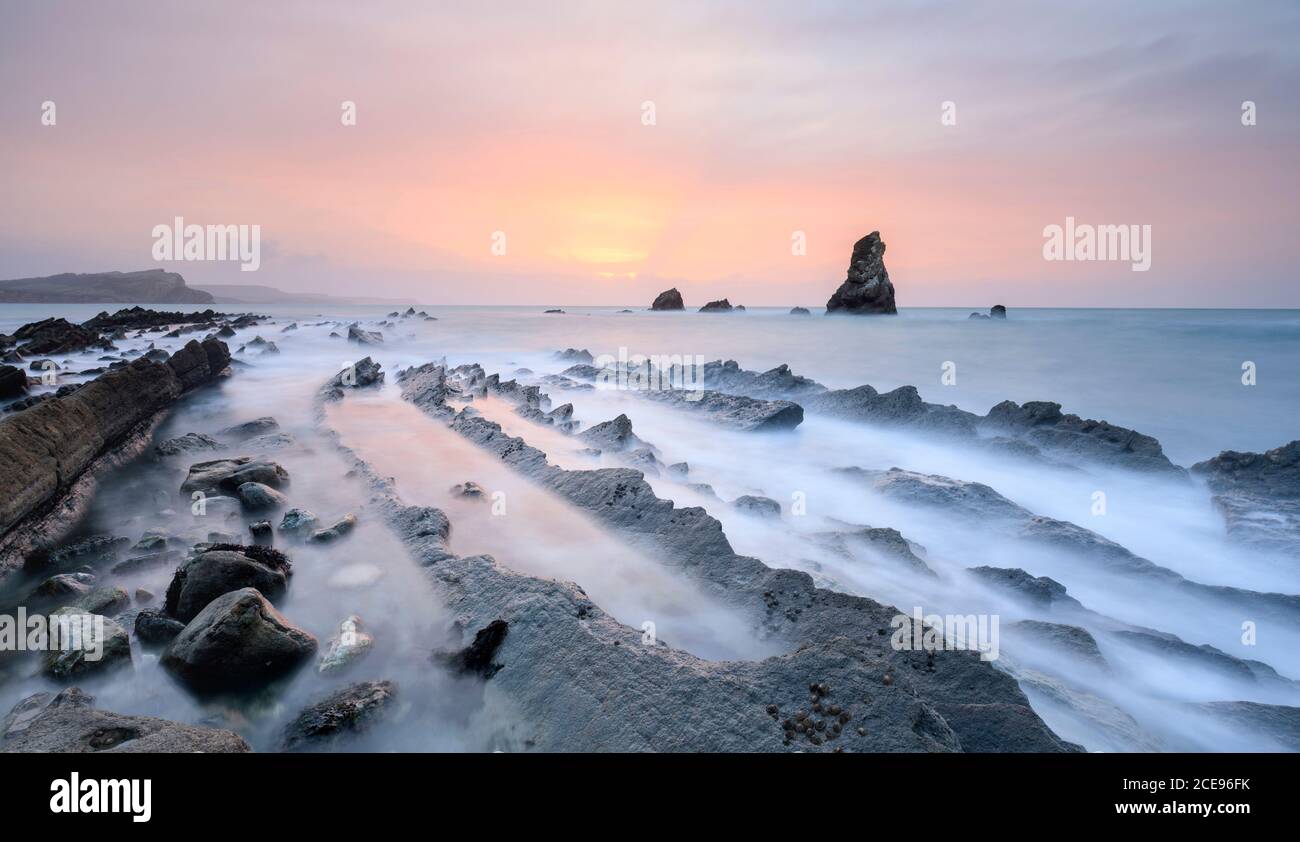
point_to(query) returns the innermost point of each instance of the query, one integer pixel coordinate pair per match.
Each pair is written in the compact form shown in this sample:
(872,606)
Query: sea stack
(866,290)
(669,299)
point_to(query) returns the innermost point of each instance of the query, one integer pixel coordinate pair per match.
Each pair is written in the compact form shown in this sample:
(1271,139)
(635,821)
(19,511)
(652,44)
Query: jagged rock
(188,443)
(1279,723)
(800,311)
(12,382)
(734,411)
(256,497)
(1074,640)
(764,507)
(341,527)
(974,501)
(581,680)
(1258,495)
(1173,648)
(866,289)
(96,653)
(1039,590)
(56,449)
(229,474)
(261,533)
(137,318)
(774,384)
(887,542)
(723,306)
(365,337)
(997,311)
(901,407)
(143,596)
(1044,425)
(679,469)
(93,550)
(347,647)
(299,523)
(216,572)
(58,336)
(69,722)
(612,436)
(470,489)
(249,429)
(574,355)
(239,641)
(348,711)
(669,299)
(155,628)
(476,658)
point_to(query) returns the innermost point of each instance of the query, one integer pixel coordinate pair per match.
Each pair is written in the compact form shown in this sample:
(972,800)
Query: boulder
(337,530)
(763,507)
(91,652)
(723,306)
(217,572)
(227,475)
(239,641)
(256,497)
(669,299)
(346,712)
(800,311)
(299,523)
(13,382)
(347,647)
(866,289)
(154,628)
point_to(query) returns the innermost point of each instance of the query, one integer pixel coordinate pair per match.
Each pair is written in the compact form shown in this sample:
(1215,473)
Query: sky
(528,125)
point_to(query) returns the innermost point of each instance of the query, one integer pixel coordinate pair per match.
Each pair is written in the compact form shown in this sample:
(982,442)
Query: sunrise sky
(770,118)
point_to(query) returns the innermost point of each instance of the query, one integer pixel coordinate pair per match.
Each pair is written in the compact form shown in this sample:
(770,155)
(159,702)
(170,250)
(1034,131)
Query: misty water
(1172,374)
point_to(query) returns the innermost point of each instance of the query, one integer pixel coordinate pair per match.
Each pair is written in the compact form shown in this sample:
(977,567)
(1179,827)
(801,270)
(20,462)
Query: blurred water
(1174,374)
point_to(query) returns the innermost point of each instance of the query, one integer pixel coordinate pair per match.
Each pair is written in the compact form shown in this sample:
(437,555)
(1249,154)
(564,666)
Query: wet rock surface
(55,450)
(1258,495)
(583,680)
(237,642)
(217,572)
(346,712)
(70,723)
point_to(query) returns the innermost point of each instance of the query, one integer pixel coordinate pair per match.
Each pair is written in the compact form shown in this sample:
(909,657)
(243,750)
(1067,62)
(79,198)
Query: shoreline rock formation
(580,680)
(55,450)
(154,286)
(867,289)
(669,299)
(1258,495)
